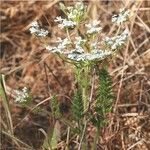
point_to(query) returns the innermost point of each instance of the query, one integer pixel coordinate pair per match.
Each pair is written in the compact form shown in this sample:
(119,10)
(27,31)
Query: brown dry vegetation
(23,62)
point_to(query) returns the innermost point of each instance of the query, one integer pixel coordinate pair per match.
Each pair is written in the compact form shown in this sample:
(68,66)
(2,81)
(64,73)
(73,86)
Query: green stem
(82,143)
(84,98)
(82,76)
(85,88)
(5,103)
(68,35)
(95,139)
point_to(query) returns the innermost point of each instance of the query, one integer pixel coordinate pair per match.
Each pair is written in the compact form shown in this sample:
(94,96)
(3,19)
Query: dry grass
(23,61)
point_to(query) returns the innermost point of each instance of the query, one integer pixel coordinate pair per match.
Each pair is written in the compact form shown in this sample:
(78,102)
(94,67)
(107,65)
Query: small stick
(79,148)
(134,115)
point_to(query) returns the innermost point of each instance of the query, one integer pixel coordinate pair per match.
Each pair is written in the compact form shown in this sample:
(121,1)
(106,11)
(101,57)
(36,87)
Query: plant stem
(83,135)
(67,140)
(84,98)
(5,104)
(95,139)
(85,88)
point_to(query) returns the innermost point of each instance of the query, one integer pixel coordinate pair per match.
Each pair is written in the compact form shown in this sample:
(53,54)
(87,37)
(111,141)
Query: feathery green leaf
(77,106)
(55,107)
(104,98)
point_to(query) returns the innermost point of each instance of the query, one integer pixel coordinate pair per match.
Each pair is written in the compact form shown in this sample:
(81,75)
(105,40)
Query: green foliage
(52,137)
(83,82)
(55,136)
(55,107)
(77,106)
(104,99)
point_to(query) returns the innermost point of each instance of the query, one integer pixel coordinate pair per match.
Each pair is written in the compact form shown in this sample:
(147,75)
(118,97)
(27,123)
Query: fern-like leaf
(55,107)
(77,106)
(104,99)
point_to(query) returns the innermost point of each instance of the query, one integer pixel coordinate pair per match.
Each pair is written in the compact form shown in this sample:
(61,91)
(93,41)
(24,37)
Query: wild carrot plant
(89,57)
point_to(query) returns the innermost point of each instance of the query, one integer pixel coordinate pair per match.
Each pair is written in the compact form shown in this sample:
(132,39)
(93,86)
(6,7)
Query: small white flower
(72,15)
(42,33)
(53,49)
(93,28)
(66,41)
(94,55)
(73,56)
(80,6)
(70,8)
(125,33)
(58,19)
(79,42)
(67,23)
(122,17)
(35,29)
(79,50)
(101,54)
(76,13)
(21,96)
(35,24)
(62,44)
(117,41)
(64,23)
(108,40)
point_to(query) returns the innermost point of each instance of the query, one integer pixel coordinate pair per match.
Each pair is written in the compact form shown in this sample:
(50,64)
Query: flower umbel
(122,17)
(35,29)
(60,47)
(117,42)
(77,12)
(93,28)
(83,45)
(64,23)
(22,96)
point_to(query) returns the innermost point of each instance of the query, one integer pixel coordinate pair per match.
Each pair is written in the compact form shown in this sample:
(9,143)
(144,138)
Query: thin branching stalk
(82,136)
(6,104)
(96,138)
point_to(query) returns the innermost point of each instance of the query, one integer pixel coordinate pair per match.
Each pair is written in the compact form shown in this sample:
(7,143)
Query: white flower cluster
(78,54)
(94,55)
(77,48)
(64,23)
(93,28)
(61,46)
(117,41)
(35,29)
(21,96)
(76,12)
(122,17)
(79,43)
